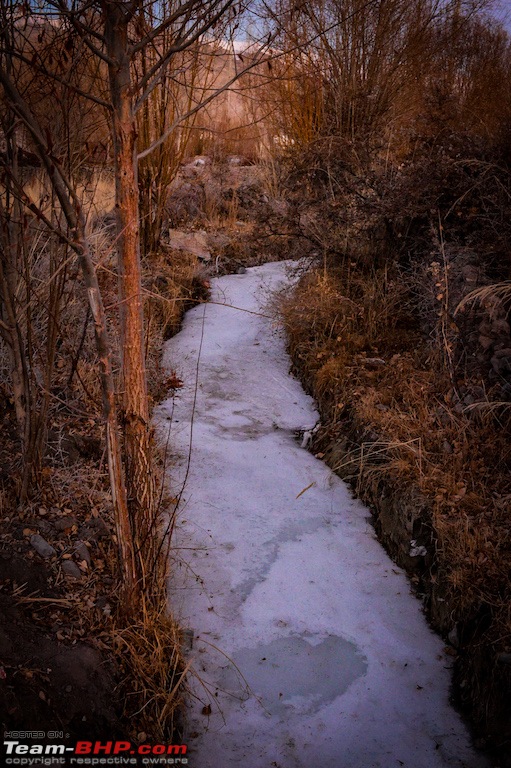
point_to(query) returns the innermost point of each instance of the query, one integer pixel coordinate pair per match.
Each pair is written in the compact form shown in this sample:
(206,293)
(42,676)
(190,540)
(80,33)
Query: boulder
(195,243)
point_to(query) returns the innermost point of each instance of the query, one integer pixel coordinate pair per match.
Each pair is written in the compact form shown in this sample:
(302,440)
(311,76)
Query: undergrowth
(71,508)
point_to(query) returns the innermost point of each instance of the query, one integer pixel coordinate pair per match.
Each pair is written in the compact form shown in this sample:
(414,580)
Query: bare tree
(138,44)
(351,67)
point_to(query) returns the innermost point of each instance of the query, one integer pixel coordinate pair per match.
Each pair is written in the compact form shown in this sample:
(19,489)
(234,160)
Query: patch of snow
(417,550)
(308,648)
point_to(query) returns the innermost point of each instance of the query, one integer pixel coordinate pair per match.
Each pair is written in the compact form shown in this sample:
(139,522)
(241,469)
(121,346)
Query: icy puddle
(309,650)
(294,672)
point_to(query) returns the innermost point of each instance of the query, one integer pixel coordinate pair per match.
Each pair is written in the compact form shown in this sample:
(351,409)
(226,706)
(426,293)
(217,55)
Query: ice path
(334,664)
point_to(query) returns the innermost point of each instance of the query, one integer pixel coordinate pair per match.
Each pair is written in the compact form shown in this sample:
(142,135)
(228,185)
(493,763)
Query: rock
(45,528)
(442,416)
(470,273)
(187,636)
(65,523)
(41,546)
(417,550)
(185,202)
(94,529)
(218,241)
(71,570)
(485,341)
(501,361)
(485,328)
(279,207)
(500,327)
(82,551)
(199,161)
(195,243)
(373,362)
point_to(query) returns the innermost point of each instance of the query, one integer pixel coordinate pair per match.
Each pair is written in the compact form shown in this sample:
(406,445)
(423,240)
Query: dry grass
(173,282)
(392,422)
(149,652)
(95,190)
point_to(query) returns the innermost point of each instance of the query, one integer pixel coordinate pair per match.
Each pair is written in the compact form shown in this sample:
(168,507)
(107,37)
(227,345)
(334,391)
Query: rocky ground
(56,590)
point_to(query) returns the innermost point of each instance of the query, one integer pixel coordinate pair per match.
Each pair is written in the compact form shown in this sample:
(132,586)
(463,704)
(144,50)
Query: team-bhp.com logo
(93,753)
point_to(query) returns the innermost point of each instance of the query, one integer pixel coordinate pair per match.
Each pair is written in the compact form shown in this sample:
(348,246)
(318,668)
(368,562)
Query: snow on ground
(308,647)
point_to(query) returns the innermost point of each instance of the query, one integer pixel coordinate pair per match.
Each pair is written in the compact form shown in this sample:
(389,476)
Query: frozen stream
(311,650)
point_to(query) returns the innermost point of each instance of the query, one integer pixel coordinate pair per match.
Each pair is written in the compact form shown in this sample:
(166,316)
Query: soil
(45,684)
(57,671)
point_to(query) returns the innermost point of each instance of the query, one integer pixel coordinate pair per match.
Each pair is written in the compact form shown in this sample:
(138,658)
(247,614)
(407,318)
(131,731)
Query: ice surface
(295,672)
(273,559)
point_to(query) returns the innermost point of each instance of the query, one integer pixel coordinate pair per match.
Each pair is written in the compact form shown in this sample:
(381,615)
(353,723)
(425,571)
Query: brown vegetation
(407,206)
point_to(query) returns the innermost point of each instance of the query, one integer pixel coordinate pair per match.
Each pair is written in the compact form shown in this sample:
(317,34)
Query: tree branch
(40,69)
(184,10)
(203,103)
(83,30)
(184,40)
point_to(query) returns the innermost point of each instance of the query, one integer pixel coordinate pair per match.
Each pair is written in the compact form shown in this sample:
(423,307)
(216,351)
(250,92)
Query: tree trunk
(135,409)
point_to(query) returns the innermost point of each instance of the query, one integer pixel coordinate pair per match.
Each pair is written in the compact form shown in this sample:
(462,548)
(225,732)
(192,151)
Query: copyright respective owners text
(53,748)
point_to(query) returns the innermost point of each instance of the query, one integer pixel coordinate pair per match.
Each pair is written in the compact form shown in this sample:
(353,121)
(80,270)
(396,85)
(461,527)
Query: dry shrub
(170,283)
(230,200)
(410,215)
(331,316)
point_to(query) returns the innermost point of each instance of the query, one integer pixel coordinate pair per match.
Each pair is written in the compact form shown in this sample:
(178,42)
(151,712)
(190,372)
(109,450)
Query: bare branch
(62,185)
(84,31)
(203,103)
(40,69)
(185,12)
(184,40)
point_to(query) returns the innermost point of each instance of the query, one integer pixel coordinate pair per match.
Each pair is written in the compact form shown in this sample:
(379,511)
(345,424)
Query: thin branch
(84,31)
(165,135)
(40,69)
(184,10)
(35,209)
(184,41)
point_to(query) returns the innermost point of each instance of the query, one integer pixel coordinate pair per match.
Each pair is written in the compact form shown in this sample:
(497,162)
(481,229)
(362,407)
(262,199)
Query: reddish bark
(135,410)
